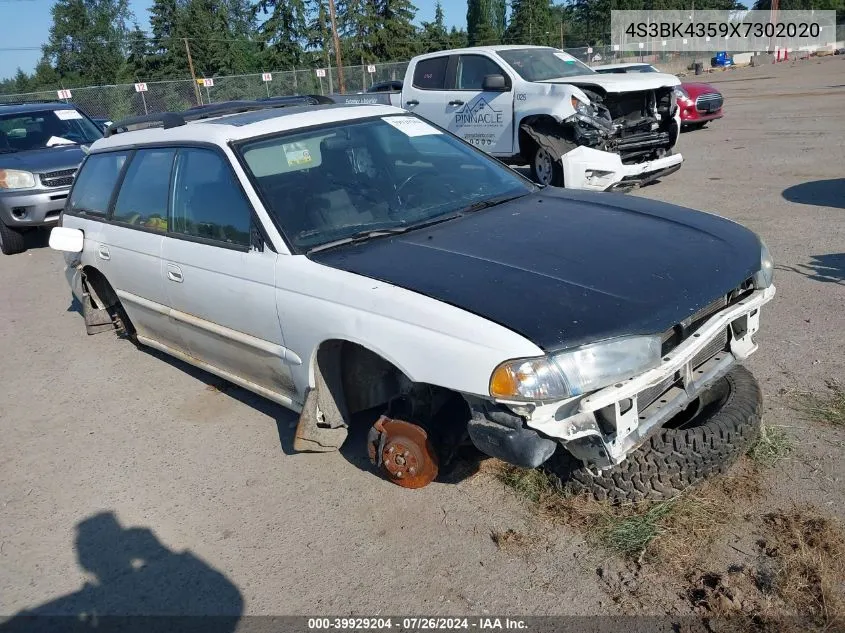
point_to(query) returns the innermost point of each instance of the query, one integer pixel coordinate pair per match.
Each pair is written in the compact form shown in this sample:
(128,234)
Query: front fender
(428,340)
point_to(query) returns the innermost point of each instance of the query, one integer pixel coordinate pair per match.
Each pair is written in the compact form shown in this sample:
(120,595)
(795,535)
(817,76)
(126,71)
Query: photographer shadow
(140,585)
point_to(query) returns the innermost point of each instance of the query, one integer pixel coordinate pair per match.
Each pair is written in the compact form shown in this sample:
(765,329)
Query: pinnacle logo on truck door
(479,113)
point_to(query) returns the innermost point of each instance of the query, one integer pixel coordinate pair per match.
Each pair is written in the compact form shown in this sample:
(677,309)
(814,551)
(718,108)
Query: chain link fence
(120,101)
(123,100)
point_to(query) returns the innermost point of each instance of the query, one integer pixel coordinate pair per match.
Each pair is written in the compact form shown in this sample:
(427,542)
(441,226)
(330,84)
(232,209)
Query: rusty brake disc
(403,452)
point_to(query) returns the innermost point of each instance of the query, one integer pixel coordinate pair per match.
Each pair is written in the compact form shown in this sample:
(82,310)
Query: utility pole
(193,76)
(336,41)
(561,34)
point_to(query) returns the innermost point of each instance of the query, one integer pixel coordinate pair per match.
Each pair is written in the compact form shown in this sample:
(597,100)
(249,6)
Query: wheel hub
(403,452)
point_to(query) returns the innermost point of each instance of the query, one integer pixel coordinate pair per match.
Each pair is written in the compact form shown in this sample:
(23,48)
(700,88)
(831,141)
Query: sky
(25,25)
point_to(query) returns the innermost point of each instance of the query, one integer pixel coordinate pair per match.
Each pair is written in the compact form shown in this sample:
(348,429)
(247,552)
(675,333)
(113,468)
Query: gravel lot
(227,519)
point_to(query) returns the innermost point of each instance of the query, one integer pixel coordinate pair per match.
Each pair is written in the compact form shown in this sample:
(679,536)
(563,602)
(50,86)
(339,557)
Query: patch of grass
(533,485)
(671,532)
(774,445)
(630,535)
(808,550)
(827,407)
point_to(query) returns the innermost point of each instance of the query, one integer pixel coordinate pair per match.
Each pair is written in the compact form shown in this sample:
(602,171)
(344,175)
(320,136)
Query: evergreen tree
(532,22)
(168,58)
(88,39)
(484,24)
(139,54)
(284,33)
(434,36)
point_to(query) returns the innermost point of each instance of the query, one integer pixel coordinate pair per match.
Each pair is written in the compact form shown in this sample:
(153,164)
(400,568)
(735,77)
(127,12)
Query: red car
(698,102)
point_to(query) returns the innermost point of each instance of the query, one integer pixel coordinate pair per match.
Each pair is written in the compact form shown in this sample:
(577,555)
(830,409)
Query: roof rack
(169,120)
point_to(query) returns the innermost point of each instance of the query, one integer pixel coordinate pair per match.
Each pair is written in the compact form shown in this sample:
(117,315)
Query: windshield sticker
(411,126)
(565,57)
(67,115)
(296,154)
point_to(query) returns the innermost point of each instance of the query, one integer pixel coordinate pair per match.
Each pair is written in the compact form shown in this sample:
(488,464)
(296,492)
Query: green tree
(88,39)
(168,58)
(434,36)
(532,22)
(483,22)
(284,33)
(138,56)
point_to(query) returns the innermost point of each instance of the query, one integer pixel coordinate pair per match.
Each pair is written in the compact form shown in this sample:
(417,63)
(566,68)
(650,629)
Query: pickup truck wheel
(11,240)
(545,169)
(685,452)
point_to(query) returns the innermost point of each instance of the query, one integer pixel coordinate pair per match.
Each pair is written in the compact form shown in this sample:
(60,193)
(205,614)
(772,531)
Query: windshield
(542,64)
(46,128)
(384,174)
(645,68)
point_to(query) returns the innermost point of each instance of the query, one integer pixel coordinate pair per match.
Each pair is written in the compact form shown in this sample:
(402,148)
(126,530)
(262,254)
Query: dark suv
(41,146)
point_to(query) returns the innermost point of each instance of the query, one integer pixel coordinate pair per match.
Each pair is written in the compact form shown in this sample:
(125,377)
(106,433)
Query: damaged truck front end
(605,139)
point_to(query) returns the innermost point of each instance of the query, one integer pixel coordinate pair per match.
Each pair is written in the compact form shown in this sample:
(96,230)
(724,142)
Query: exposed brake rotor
(403,452)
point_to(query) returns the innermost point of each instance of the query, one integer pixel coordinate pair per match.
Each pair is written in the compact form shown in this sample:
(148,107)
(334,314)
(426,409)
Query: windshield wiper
(8,150)
(360,236)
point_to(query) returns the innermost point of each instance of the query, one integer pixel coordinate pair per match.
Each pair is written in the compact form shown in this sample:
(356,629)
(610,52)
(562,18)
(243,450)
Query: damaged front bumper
(602,428)
(595,170)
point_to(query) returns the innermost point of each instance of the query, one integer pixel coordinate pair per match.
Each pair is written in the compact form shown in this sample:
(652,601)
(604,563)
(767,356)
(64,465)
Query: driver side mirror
(494,83)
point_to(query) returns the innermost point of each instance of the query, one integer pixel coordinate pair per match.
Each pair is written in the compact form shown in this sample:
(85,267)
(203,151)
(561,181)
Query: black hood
(564,268)
(44,160)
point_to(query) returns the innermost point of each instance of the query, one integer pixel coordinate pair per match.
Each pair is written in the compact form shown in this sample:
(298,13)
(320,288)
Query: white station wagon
(345,259)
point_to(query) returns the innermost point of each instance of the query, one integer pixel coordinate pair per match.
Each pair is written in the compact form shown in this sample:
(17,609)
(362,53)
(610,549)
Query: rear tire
(683,453)
(545,169)
(697,126)
(11,240)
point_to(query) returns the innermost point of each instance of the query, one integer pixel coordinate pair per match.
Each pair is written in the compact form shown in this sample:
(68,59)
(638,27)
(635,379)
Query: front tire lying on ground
(11,241)
(683,453)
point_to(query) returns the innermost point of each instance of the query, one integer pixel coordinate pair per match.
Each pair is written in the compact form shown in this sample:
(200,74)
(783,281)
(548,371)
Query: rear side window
(95,183)
(207,200)
(143,196)
(430,74)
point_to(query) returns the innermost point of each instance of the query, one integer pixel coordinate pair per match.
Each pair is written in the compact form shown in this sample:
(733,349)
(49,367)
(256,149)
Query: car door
(426,96)
(129,252)
(221,287)
(481,117)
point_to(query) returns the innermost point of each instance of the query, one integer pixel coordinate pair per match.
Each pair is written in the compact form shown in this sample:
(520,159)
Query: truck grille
(709,102)
(61,178)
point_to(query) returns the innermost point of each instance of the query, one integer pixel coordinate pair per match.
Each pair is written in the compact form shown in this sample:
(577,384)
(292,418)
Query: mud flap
(96,319)
(315,433)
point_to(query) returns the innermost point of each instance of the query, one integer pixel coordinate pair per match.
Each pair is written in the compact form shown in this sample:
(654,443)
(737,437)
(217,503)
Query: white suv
(345,259)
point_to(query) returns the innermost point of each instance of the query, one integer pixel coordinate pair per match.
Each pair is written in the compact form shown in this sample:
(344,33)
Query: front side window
(388,173)
(208,203)
(45,128)
(430,74)
(143,196)
(543,64)
(472,69)
(95,182)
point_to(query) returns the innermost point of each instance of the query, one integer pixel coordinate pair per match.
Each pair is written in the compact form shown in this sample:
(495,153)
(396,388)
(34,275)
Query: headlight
(766,275)
(681,95)
(574,372)
(581,107)
(15,179)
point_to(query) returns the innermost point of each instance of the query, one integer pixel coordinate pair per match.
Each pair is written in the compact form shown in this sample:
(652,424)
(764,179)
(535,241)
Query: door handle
(174,273)
(103,252)
(456,102)
(412,102)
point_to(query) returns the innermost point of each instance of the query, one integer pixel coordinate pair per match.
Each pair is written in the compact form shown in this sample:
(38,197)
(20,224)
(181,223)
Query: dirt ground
(132,472)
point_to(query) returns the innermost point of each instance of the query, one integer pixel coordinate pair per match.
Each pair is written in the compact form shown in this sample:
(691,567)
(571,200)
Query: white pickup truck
(540,106)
